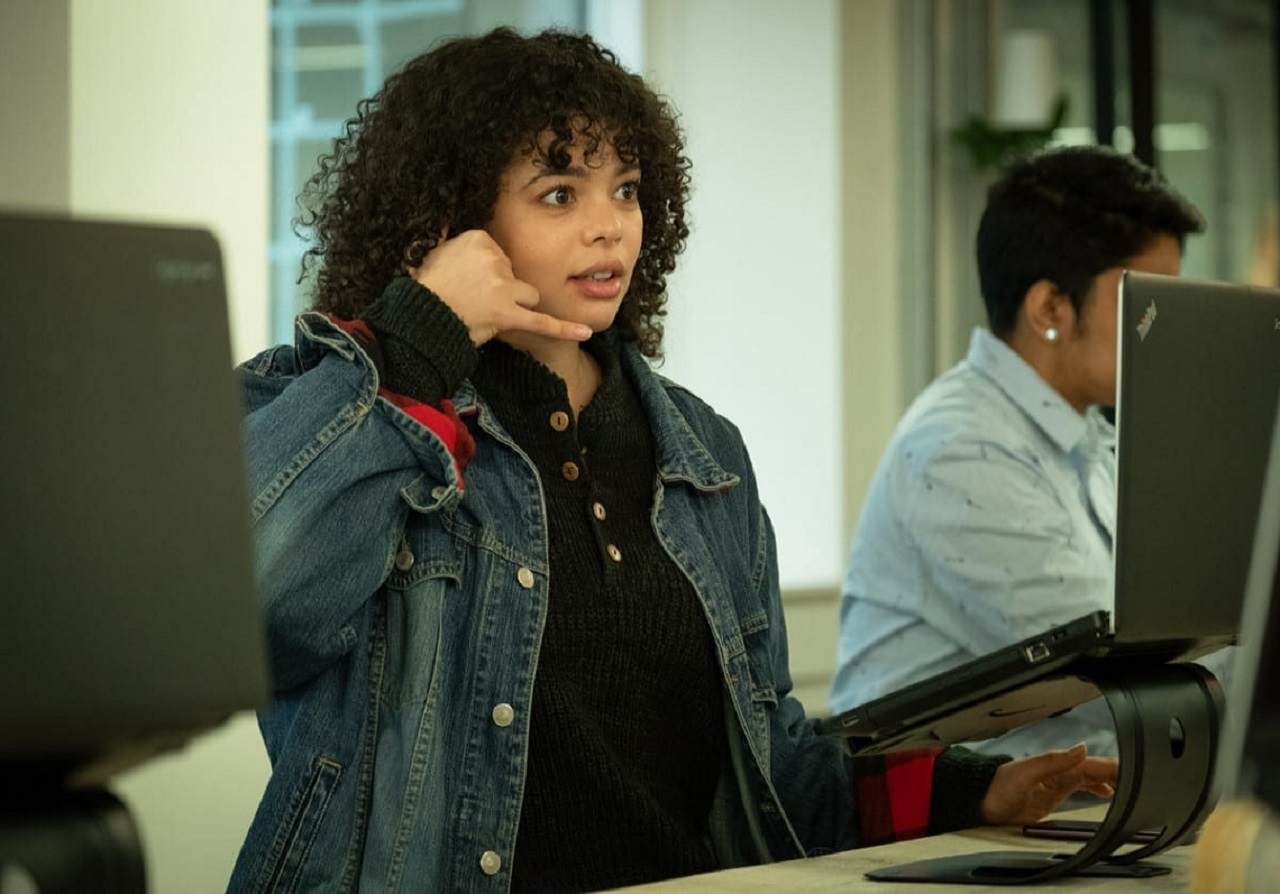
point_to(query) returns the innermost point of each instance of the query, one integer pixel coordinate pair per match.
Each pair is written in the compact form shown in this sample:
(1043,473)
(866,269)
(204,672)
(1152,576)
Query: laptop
(129,594)
(1198,381)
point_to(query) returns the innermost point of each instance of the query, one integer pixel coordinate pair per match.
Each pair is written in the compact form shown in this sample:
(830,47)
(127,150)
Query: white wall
(34,90)
(169,110)
(782,315)
(754,313)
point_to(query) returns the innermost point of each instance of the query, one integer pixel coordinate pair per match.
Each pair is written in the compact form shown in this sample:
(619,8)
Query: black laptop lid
(126,555)
(1199,374)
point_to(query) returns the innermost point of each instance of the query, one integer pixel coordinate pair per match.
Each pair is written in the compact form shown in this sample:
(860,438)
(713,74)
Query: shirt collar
(994,359)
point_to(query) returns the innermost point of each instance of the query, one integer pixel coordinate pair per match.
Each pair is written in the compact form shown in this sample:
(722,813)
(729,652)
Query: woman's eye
(629,191)
(558,196)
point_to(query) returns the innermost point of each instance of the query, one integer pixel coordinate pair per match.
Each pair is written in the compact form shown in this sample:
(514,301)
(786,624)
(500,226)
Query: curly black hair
(425,155)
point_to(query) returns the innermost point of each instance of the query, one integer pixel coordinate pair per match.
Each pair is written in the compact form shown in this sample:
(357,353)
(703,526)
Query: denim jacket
(404,600)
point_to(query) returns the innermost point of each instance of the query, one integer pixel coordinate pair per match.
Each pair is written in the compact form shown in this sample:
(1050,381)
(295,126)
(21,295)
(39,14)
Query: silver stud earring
(1051,334)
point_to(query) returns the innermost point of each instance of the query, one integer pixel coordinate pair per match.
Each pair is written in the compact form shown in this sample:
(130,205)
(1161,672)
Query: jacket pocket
(309,805)
(428,567)
(755,642)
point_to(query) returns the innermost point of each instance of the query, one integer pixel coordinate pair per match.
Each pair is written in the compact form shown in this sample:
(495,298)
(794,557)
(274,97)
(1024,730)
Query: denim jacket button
(438,492)
(404,560)
(503,714)
(490,862)
(525,577)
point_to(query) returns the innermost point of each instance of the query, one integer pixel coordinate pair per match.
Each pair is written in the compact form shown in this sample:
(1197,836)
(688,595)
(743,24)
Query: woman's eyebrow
(570,171)
(578,171)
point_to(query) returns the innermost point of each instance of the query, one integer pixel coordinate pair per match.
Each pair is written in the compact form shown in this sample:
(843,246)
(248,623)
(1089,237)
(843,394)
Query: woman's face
(1089,345)
(573,233)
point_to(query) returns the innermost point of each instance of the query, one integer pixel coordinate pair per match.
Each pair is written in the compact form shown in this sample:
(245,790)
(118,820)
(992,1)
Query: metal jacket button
(490,862)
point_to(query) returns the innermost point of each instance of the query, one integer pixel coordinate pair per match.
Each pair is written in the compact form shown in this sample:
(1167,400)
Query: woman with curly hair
(521,594)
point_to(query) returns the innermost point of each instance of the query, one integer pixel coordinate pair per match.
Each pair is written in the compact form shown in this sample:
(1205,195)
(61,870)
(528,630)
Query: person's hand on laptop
(1026,790)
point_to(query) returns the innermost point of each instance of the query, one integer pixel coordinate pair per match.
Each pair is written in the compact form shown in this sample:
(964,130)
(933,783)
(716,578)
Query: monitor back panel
(126,554)
(1199,375)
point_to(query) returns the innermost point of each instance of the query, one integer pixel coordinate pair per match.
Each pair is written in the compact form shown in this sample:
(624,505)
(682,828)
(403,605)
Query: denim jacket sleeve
(813,776)
(334,469)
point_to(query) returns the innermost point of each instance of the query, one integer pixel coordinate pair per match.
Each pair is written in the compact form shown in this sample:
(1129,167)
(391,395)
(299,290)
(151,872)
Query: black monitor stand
(1167,719)
(69,841)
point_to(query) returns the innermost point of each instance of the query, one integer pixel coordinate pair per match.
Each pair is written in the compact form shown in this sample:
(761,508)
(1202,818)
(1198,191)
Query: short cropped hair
(1066,215)
(425,156)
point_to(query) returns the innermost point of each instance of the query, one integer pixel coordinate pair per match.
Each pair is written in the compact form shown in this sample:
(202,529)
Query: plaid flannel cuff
(894,793)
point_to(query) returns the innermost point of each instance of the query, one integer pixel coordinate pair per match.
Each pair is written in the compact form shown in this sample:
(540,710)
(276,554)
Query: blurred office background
(829,273)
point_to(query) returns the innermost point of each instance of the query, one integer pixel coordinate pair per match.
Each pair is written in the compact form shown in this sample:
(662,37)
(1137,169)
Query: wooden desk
(844,871)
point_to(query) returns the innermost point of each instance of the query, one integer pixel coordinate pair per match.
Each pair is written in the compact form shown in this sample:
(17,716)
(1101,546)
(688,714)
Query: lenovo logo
(176,271)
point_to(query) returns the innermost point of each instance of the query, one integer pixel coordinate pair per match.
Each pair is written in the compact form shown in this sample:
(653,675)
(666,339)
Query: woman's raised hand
(473,276)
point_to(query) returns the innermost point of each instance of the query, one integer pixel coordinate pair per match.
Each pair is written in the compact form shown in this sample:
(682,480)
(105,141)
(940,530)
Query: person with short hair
(991,515)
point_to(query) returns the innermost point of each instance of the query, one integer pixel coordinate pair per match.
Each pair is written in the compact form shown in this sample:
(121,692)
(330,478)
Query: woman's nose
(605,224)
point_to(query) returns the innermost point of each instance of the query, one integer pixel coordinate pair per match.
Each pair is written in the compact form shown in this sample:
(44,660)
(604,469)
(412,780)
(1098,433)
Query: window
(327,55)
(1214,132)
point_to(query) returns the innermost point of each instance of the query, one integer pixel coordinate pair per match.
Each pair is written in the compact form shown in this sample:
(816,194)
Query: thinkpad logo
(1144,323)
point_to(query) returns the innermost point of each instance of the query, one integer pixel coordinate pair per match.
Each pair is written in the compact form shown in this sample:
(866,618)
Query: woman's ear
(1047,311)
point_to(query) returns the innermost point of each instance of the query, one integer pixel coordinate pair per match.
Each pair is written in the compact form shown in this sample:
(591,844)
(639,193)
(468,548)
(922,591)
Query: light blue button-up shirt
(990,519)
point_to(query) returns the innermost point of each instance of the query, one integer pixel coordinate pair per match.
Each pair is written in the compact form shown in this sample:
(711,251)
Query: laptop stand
(59,841)
(1167,719)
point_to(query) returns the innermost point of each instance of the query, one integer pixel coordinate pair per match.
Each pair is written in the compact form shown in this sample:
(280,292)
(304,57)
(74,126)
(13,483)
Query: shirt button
(404,559)
(559,420)
(490,862)
(597,509)
(570,471)
(438,492)
(614,552)
(525,576)
(503,714)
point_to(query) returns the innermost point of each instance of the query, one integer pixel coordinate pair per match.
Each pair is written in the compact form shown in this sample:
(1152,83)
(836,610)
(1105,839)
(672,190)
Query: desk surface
(844,871)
